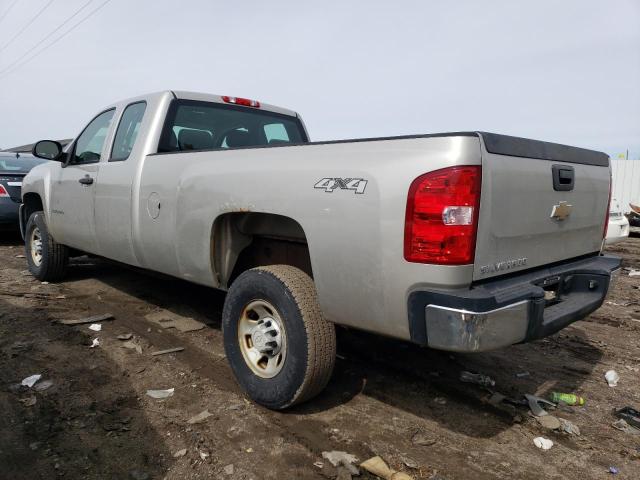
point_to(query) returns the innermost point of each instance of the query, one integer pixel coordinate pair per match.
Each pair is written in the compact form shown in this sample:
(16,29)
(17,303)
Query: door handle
(86,180)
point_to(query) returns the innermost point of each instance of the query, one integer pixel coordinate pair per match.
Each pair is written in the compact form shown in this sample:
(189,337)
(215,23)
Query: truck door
(72,197)
(114,191)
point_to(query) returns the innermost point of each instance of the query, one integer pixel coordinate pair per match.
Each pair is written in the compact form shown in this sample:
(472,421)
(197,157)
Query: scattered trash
(167,319)
(423,440)
(612,378)
(96,327)
(522,374)
(201,417)
(180,453)
(409,462)
(95,343)
(61,297)
(20,256)
(203,455)
(94,319)
(229,469)
(569,427)
(543,443)
(549,421)
(318,464)
(31,401)
(477,378)
(378,466)
(534,404)
(168,350)
(622,425)
(249,450)
(31,380)
(132,345)
(613,470)
(630,415)
(125,336)
(161,393)
(440,400)
(337,458)
(634,273)
(42,386)
(568,398)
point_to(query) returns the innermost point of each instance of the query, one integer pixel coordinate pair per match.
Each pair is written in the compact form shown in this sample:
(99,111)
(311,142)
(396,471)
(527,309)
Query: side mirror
(48,149)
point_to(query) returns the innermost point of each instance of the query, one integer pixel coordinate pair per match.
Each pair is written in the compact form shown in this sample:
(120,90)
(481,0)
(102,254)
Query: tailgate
(526,218)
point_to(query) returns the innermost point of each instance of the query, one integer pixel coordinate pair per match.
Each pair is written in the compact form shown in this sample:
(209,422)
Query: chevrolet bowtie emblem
(561,211)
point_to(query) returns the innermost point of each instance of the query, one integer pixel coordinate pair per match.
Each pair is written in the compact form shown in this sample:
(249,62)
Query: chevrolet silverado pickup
(466,241)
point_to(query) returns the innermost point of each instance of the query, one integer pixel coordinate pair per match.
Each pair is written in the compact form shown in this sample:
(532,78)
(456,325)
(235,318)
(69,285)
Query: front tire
(280,347)
(47,259)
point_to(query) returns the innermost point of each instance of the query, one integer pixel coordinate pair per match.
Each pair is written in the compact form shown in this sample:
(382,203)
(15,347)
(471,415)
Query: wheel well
(245,240)
(31,203)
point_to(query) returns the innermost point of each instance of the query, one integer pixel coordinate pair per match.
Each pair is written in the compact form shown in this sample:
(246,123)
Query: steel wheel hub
(35,243)
(262,338)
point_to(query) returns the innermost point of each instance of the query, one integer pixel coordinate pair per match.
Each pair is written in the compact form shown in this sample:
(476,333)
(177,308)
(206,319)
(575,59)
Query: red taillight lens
(3,191)
(245,102)
(442,216)
(606,215)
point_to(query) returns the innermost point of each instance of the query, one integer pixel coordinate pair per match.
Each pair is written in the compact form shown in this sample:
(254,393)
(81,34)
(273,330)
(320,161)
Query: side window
(276,133)
(127,131)
(89,145)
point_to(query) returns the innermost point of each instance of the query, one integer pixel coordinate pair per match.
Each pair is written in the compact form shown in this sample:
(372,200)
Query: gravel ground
(386,397)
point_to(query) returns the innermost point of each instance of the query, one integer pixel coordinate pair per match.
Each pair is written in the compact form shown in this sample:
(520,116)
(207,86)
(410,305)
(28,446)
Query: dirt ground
(386,397)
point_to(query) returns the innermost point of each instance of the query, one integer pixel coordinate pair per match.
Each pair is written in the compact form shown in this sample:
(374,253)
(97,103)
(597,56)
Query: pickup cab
(465,241)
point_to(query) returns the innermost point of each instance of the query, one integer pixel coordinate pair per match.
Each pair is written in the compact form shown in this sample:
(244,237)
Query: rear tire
(47,259)
(280,347)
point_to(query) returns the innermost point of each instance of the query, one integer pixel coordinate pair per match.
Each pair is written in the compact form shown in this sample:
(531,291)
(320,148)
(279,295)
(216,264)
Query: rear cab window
(197,125)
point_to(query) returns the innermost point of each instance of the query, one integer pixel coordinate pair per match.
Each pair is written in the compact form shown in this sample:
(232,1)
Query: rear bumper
(511,310)
(8,211)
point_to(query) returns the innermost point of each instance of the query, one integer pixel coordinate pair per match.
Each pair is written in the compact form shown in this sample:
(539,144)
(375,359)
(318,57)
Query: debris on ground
(44,385)
(534,404)
(158,394)
(168,350)
(337,459)
(409,462)
(522,374)
(180,453)
(229,469)
(203,455)
(629,415)
(379,467)
(543,443)
(132,346)
(549,421)
(622,425)
(566,398)
(612,378)
(95,343)
(569,427)
(93,319)
(96,327)
(31,380)
(423,439)
(477,378)
(318,464)
(167,319)
(613,470)
(201,417)
(634,273)
(125,336)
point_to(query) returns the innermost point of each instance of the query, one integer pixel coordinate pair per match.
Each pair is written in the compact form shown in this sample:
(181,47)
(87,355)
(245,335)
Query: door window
(127,131)
(89,145)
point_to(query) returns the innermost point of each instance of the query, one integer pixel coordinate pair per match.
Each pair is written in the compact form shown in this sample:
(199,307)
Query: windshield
(9,163)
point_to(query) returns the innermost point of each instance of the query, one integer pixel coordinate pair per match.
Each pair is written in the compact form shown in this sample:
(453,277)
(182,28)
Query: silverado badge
(561,211)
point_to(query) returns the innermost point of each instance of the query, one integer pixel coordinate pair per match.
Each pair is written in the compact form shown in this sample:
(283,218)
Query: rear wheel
(280,347)
(47,259)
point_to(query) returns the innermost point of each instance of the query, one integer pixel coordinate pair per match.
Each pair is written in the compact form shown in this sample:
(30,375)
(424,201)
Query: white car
(618,228)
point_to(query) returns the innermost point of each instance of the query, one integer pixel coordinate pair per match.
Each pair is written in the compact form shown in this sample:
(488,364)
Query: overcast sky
(563,71)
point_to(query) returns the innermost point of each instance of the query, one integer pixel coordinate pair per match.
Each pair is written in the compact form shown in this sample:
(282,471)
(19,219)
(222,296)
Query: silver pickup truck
(464,241)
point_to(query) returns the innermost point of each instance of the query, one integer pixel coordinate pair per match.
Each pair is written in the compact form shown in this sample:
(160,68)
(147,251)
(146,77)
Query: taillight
(606,215)
(3,191)
(442,216)
(245,102)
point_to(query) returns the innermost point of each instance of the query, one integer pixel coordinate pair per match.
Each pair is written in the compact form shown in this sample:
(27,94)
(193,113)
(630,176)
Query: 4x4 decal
(330,184)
